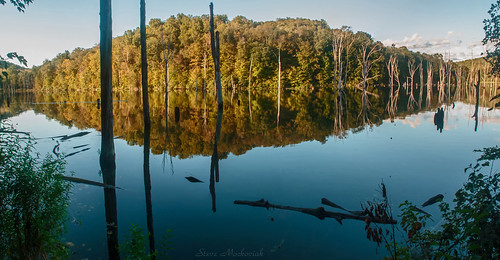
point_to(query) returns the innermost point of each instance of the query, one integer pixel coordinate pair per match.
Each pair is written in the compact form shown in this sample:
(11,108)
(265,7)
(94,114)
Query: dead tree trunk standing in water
(366,65)
(429,83)
(458,90)
(421,85)
(107,148)
(279,87)
(341,43)
(448,80)
(144,66)
(392,66)
(107,156)
(442,82)
(147,125)
(214,40)
(412,69)
(249,85)
(475,116)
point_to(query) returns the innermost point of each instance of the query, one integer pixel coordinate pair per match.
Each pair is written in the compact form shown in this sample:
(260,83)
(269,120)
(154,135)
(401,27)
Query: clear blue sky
(451,27)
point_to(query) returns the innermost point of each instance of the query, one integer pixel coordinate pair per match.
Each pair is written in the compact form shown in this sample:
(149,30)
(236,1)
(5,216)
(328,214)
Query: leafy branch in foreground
(33,200)
(471,229)
(19,4)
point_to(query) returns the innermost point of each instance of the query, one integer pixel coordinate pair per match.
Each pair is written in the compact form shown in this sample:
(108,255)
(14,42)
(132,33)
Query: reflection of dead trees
(338,127)
(147,189)
(392,69)
(429,83)
(439,120)
(442,82)
(366,60)
(412,68)
(475,116)
(214,162)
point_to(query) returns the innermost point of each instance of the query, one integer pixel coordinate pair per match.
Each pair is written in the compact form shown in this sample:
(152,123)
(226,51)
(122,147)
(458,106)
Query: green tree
(33,200)
(492,35)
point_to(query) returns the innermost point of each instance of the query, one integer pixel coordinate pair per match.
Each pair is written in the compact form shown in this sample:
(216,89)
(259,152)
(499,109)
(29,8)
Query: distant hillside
(311,53)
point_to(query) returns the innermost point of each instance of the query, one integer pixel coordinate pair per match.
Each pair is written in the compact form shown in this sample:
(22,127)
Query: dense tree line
(305,49)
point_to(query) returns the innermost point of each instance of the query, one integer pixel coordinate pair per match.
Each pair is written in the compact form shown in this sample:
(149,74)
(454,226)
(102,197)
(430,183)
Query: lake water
(295,158)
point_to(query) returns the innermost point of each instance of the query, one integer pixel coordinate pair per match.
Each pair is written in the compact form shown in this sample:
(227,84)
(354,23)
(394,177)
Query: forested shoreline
(310,53)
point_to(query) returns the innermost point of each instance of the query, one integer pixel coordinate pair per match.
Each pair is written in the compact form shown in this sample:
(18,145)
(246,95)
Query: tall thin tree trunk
(429,83)
(279,87)
(107,149)
(477,100)
(214,40)
(421,70)
(144,66)
(107,156)
(249,85)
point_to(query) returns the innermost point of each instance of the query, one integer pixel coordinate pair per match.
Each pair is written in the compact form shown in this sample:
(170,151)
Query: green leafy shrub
(33,199)
(469,230)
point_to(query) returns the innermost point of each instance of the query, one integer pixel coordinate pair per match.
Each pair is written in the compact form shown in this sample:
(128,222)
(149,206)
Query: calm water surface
(305,156)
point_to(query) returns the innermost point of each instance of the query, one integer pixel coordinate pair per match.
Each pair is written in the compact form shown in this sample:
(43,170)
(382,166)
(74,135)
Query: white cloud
(451,46)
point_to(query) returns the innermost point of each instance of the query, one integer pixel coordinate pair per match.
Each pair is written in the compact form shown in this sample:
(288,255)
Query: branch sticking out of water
(318,212)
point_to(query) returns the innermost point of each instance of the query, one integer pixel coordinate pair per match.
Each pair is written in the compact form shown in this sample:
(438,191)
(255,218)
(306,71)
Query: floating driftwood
(318,212)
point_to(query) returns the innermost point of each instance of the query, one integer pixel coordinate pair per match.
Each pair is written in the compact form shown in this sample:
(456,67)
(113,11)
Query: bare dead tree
(429,83)
(475,116)
(249,85)
(442,82)
(421,85)
(458,90)
(448,67)
(412,68)
(341,45)
(392,69)
(214,40)
(107,155)
(144,66)
(366,60)
(279,86)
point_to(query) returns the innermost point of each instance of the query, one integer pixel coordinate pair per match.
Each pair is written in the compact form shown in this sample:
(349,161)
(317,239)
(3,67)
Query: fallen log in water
(319,212)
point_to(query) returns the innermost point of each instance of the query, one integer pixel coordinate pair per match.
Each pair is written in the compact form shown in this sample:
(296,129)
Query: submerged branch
(318,212)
